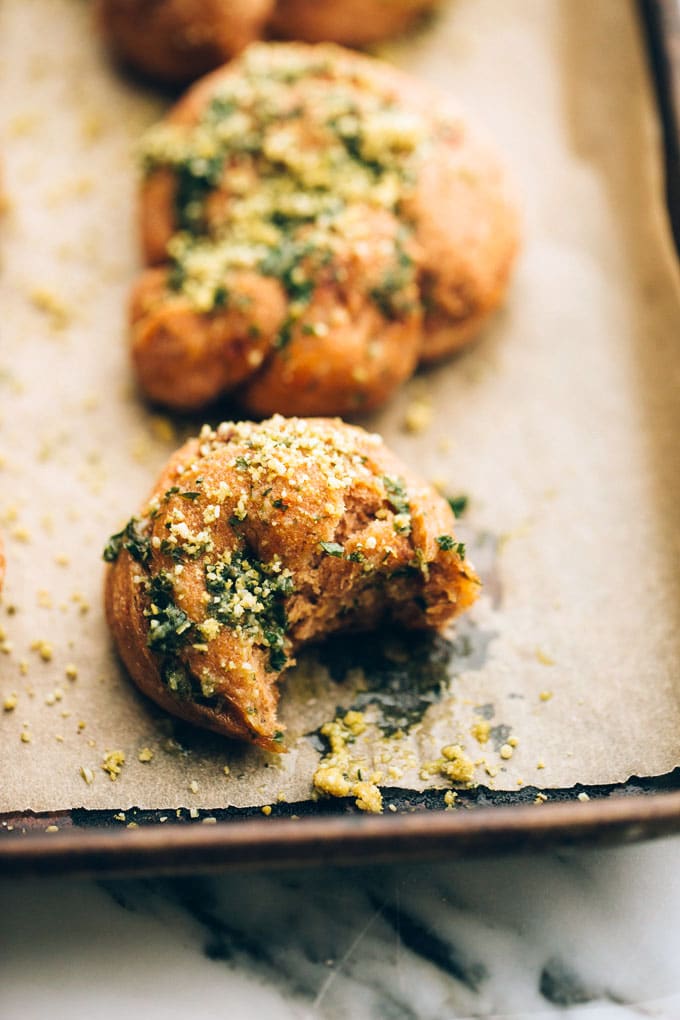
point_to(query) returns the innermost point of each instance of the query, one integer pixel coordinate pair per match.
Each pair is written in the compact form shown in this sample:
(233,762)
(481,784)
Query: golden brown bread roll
(179,40)
(350,22)
(318,222)
(259,538)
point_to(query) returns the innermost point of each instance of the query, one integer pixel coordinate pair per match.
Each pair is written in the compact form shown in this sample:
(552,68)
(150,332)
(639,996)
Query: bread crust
(406,278)
(176,41)
(313,521)
(348,22)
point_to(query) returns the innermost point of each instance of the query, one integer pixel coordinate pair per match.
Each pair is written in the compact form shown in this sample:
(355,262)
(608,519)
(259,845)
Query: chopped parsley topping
(295,171)
(391,293)
(332,548)
(169,626)
(449,544)
(397,496)
(458,504)
(133,539)
(248,596)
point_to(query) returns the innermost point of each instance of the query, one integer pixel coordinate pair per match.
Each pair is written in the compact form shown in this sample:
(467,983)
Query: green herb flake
(169,626)
(332,549)
(449,544)
(248,596)
(397,496)
(458,504)
(132,539)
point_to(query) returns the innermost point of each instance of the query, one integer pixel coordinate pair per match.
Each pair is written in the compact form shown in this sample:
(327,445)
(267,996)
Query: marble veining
(586,934)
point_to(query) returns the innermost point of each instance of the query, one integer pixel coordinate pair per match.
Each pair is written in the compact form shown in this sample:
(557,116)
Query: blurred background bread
(179,40)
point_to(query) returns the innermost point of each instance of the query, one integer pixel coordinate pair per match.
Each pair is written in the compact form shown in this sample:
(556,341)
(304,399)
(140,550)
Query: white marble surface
(587,934)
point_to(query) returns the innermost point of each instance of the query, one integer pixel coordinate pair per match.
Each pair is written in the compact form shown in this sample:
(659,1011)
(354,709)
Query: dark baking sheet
(97,842)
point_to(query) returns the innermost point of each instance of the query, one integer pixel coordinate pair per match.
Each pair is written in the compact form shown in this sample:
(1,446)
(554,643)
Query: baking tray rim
(352,839)
(338,840)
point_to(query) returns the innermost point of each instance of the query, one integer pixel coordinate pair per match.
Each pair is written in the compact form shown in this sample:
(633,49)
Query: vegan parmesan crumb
(112,763)
(193,786)
(266,809)
(506,752)
(338,774)
(26,737)
(543,657)
(10,703)
(481,731)
(71,672)
(583,797)
(52,306)
(331,780)
(43,648)
(418,415)
(545,695)
(52,828)
(145,754)
(368,797)
(453,764)
(450,798)
(87,774)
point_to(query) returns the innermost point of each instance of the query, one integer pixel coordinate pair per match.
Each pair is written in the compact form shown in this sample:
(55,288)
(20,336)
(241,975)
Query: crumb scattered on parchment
(52,306)
(453,764)
(481,731)
(544,657)
(112,763)
(450,798)
(43,648)
(419,414)
(339,774)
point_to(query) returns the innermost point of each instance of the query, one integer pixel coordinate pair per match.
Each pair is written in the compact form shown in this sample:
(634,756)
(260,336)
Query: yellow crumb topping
(112,764)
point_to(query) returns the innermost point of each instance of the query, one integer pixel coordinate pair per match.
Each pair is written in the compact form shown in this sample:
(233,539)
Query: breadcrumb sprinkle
(112,764)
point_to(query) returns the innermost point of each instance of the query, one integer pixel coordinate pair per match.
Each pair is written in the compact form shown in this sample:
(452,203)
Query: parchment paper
(561,424)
